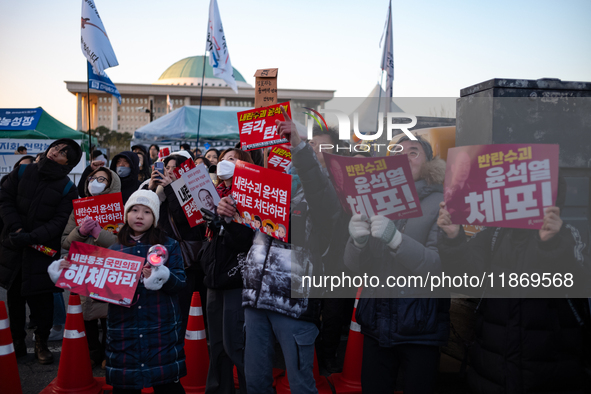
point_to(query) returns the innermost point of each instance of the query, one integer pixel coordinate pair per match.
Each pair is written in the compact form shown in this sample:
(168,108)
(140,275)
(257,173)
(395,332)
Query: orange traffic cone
(196,354)
(75,373)
(11,382)
(349,381)
(322,384)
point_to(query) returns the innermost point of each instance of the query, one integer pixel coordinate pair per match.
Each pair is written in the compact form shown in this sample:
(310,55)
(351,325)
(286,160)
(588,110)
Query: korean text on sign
(101,273)
(262,197)
(375,186)
(106,209)
(506,185)
(257,126)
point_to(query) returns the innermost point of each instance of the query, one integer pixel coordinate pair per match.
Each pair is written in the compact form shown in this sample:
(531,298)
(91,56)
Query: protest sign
(265,91)
(185,166)
(187,202)
(257,126)
(106,209)
(375,186)
(164,152)
(102,274)
(201,187)
(503,185)
(262,199)
(280,158)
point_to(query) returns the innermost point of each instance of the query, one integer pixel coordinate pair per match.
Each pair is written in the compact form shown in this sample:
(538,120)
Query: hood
(433,172)
(115,182)
(132,159)
(53,170)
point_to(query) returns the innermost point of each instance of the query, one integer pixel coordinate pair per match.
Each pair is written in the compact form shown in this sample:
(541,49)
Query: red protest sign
(257,126)
(502,185)
(279,158)
(163,152)
(101,274)
(191,210)
(185,166)
(262,198)
(106,209)
(375,185)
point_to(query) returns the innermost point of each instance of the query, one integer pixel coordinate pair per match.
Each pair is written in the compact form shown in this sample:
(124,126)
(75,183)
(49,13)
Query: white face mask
(225,169)
(95,187)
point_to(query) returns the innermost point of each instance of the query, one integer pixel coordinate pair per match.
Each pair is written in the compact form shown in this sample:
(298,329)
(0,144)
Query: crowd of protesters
(521,346)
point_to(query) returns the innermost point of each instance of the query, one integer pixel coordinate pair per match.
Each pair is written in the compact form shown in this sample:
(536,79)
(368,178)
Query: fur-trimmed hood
(433,172)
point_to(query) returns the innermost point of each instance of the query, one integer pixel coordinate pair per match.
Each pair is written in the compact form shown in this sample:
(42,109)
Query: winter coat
(130,183)
(272,266)
(386,313)
(522,345)
(144,343)
(39,202)
(91,308)
(82,184)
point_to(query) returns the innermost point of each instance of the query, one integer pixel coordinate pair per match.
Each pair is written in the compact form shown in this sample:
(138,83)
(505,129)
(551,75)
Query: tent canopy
(217,123)
(48,128)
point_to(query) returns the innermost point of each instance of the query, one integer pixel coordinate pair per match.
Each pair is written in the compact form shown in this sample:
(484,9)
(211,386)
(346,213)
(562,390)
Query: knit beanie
(147,198)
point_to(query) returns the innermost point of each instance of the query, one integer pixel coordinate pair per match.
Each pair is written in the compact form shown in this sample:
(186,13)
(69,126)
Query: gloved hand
(20,239)
(384,229)
(359,229)
(86,227)
(96,230)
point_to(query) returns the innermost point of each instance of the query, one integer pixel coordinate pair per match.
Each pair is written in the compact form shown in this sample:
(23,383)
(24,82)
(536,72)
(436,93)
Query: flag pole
(88,108)
(201,99)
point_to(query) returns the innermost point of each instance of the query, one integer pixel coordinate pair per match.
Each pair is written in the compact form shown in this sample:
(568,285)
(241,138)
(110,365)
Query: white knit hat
(147,198)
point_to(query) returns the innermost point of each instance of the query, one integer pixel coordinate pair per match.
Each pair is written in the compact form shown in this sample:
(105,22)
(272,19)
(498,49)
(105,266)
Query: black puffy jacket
(40,202)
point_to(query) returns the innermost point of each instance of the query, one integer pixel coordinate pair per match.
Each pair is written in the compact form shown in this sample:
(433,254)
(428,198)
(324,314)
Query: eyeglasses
(63,152)
(412,154)
(101,179)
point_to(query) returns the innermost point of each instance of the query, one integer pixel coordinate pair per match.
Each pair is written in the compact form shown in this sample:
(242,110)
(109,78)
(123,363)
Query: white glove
(157,278)
(359,230)
(54,270)
(384,229)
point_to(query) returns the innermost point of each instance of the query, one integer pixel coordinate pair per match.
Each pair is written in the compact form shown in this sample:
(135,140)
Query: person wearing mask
(144,343)
(270,311)
(153,153)
(212,155)
(145,168)
(126,165)
(100,181)
(35,202)
(523,345)
(97,159)
(401,332)
(225,315)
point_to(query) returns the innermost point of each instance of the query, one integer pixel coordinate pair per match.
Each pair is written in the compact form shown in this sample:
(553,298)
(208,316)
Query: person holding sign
(99,182)
(400,332)
(525,345)
(144,345)
(270,310)
(219,259)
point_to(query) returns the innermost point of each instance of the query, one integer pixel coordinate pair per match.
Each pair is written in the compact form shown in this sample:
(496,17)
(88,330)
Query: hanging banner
(375,186)
(501,185)
(20,119)
(262,199)
(106,209)
(257,126)
(102,274)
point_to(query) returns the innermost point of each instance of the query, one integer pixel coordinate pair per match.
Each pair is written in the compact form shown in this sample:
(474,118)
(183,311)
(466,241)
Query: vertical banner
(192,212)
(106,209)
(201,187)
(502,185)
(375,186)
(102,274)
(257,126)
(262,199)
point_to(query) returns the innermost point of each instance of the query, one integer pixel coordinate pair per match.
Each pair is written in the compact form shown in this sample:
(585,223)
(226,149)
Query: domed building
(178,86)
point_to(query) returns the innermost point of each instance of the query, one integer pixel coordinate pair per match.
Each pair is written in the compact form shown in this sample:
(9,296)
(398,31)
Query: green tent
(48,128)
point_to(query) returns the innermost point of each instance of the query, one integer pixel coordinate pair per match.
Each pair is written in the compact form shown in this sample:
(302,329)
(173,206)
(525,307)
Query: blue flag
(102,82)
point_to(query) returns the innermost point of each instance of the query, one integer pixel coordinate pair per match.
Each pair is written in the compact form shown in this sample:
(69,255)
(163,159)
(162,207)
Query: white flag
(168,102)
(388,58)
(95,42)
(219,57)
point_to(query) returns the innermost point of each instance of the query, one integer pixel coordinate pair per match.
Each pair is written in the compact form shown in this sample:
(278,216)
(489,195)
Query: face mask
(225,169)
(123,171)
(95,187)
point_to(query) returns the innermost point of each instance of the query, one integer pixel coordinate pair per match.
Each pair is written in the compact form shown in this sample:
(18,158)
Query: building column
(84,107)
(114,104)
(223,102)
(78,111)
(94,112)
(187,101)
